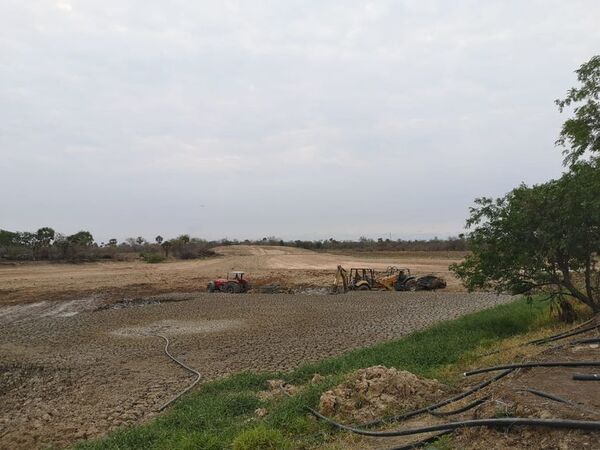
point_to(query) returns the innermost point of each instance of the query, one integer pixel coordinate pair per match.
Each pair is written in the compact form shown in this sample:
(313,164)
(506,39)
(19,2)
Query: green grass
(222,412)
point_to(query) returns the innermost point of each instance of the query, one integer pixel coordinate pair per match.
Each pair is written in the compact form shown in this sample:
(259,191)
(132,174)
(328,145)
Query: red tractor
(233,284)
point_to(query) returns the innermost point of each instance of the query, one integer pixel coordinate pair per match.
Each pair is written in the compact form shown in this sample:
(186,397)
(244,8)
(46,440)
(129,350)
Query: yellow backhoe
(359,279)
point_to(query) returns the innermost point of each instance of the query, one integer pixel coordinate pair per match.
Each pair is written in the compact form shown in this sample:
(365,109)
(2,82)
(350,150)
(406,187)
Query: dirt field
(78,358)
(71,376)
(291,267)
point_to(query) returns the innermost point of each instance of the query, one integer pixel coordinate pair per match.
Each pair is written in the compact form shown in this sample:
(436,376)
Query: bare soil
(508,398)
(68,374)
(290,267)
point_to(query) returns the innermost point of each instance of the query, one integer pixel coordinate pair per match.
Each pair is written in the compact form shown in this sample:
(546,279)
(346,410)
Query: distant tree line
(48,245)
(363,244)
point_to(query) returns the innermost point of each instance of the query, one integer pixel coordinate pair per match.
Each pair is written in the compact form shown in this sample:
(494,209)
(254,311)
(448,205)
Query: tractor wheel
(211,287)
(232,288)
(411,285)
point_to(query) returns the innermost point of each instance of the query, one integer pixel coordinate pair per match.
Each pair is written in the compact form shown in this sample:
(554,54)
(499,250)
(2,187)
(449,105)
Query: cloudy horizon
(301,120)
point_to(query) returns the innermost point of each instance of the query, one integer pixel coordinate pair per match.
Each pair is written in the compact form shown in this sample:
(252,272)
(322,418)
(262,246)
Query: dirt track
(71,376)
(292,267)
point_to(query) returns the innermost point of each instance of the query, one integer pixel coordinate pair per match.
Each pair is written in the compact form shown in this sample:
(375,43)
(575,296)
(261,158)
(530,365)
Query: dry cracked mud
(65,377)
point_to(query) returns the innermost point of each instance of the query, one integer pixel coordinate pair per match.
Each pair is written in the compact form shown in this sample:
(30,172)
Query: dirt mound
(376,391)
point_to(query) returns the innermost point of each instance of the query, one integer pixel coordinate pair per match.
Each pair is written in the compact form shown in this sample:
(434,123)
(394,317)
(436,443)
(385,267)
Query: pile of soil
(373,392)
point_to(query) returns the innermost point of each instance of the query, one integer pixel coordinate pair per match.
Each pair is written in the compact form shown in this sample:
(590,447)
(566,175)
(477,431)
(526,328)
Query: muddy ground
(69,374)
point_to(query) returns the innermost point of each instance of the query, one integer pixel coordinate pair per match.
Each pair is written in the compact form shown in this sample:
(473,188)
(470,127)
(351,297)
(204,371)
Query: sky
(296,119)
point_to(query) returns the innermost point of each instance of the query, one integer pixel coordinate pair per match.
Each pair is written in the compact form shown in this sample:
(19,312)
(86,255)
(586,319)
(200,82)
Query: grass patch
(221,413)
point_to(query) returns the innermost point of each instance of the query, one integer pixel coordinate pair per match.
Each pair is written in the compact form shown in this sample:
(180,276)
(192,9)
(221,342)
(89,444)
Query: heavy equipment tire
(233,288)
(210,287)
(411,285)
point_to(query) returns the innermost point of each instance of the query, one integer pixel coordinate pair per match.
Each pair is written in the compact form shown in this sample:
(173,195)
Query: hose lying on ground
(502,422)
(429,408)
(564,333)
(556,398)
(586,377)
(471,405)
(586,341)
(422,442)
(535,364)
(198,376)
(563,336)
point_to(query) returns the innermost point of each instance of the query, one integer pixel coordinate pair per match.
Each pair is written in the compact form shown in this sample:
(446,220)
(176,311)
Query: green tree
(166,247)
(44,238)
(541,238)
(82,238)
(112,242)
(158,239)
(581,133)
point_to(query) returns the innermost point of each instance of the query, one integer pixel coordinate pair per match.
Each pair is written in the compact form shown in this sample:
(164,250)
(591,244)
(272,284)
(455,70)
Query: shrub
(261,438)
(152,258)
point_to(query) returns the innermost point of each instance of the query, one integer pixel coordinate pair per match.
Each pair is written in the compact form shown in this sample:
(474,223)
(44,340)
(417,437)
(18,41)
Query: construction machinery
(393,279)
(359,279)
(235,283)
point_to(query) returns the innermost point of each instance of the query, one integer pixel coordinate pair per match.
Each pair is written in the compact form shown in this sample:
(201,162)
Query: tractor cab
(236,276)
(361,279)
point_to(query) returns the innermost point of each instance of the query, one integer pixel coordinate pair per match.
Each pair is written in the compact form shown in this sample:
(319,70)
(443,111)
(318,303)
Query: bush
(152,258)
(261,438)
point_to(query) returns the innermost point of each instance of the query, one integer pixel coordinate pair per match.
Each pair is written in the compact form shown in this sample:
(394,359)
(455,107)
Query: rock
(277,388)
(275,384)
(317,379)
(260,412)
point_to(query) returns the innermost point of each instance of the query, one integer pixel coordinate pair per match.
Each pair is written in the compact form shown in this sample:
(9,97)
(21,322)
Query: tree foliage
(545,237)
(581,133)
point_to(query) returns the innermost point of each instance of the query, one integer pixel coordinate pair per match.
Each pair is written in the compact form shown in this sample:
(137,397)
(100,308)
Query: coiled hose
(186,367)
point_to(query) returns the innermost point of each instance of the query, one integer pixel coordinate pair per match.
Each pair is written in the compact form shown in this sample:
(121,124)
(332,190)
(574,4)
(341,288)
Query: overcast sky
(299,119)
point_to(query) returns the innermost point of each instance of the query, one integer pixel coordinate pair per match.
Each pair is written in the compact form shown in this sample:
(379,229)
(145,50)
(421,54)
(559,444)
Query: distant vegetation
(365,244)
(47,245)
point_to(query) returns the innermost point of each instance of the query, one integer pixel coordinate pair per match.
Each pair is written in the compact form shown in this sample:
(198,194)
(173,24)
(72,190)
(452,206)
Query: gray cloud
(295,119)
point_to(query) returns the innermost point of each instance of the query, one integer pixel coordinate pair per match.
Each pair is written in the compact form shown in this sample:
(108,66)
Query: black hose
(462,409)
(536,341)
(586,341)
(563,336)
(502,422)
(586,376)
(556,398)
(422,442)
(535,364)
(429,408)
